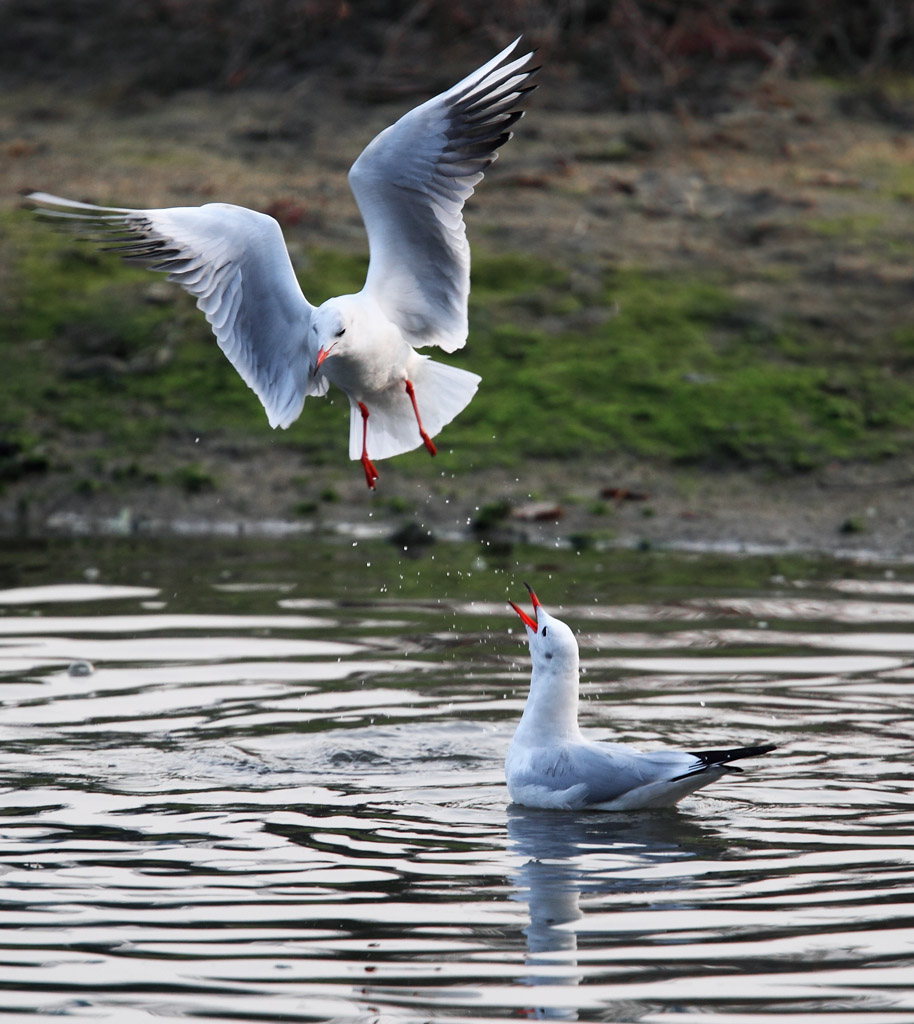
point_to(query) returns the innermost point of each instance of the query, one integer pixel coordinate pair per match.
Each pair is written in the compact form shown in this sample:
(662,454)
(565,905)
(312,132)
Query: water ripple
(269,806)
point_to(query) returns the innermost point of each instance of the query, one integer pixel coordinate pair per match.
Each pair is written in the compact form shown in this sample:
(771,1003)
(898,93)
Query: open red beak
(322,354)
(524,616)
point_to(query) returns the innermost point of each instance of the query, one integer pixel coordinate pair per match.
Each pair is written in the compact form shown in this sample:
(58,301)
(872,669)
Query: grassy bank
(105,365)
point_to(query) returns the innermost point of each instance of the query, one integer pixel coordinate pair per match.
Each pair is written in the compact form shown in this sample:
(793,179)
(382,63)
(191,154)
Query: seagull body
(549,762)
(410,184)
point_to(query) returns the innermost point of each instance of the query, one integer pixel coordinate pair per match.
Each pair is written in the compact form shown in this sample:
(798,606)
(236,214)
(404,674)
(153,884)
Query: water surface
(279,795)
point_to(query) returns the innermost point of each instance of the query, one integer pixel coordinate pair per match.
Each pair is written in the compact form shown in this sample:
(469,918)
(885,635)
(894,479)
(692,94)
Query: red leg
(371,474)
(427,441)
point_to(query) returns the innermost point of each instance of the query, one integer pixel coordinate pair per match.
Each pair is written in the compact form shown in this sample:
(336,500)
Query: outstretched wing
(411,183)
(235,263)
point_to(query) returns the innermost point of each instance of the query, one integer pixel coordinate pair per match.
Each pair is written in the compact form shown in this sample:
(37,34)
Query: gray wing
(234,261)
(410,184)
(611,769)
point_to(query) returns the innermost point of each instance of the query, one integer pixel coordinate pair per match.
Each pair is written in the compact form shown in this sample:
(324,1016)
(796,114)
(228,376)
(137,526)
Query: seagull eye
(340,332)
(545,630)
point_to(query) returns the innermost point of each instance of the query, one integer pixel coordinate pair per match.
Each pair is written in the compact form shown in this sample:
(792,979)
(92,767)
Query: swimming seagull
(550,763)
(410,184)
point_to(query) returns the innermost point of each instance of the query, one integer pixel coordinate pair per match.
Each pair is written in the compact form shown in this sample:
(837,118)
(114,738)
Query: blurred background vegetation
(731,287)
(642,52)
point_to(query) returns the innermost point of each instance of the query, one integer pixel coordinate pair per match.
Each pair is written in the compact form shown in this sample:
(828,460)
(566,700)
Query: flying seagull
(551,764)
(410,184)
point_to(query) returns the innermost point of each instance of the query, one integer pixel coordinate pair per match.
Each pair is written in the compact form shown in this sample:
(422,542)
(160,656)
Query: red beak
(524,616)
(321,356)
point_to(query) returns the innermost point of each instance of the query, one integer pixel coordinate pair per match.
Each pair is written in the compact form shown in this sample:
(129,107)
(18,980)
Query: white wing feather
(234,261)
(410,184)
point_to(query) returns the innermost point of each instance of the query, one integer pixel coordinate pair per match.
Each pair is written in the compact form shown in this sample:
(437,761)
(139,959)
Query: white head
(554,684)
(332,332)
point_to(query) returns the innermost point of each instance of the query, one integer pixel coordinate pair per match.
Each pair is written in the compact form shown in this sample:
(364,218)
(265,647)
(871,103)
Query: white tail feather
(441,391)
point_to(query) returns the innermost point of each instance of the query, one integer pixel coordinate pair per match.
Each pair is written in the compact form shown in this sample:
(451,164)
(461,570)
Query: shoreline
(843,512)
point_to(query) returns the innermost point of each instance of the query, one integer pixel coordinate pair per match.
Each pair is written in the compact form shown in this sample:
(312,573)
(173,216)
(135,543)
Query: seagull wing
(411,182)
(234,261)
(620,775)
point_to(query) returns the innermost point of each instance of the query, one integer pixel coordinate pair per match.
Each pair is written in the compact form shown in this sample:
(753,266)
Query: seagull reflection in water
(565,856)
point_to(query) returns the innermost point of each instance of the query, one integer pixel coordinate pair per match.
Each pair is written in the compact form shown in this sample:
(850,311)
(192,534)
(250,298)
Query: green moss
(513,275)
(399,505)
(853,524)
(851,226)
(682,373)
(135,473)
(900,182)
(88,487)
(324,273)
(574,365)
(492,515)
(193,479)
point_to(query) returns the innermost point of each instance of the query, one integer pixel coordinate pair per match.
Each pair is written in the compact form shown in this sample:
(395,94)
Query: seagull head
(331,332)
(553,646)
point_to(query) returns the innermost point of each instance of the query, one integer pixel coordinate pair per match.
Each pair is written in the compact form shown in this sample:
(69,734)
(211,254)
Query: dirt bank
(798,194)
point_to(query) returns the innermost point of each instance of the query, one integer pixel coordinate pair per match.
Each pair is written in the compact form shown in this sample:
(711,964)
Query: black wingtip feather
(493,100)
(714,757)
(708,759)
